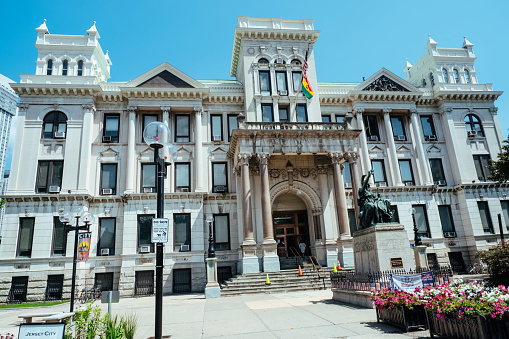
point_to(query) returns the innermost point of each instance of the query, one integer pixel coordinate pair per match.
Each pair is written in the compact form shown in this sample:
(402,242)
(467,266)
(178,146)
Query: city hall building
(274,167)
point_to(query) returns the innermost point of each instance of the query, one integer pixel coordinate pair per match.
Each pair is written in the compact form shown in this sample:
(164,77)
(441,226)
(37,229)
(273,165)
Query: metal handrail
(313,259)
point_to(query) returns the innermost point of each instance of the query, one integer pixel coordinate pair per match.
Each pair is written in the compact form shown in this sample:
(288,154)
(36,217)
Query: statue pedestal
(382,247)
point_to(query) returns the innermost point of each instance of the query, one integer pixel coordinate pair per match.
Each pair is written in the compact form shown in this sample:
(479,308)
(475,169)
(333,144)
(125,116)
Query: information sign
(41,331)
(160,230)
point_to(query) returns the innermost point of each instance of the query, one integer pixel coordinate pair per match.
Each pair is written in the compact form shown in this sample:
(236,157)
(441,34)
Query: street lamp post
(417,238)
(66,218)
(212,251)
(157,136)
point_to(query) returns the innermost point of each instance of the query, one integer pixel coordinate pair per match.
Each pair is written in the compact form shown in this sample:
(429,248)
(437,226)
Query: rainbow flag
(306,87)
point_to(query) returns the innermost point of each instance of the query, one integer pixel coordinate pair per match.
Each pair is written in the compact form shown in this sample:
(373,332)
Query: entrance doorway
(291,229)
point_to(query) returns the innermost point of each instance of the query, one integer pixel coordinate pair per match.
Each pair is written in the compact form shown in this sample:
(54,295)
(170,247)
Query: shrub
(497,260)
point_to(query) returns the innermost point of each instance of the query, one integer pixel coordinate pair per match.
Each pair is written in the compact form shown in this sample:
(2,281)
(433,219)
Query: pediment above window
(384,84)
(219,154)
(376,149)
(403,149)
(109,153)
(433,149)
(164,76)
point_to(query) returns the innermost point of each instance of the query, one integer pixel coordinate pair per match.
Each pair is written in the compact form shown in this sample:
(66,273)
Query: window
(147,119)
(267,113)
(481,162)
(340,119)
(263,61)
(54,125)
(283,114)
(484,212)
(111,127)
(421,221)
(25,237)
(182,232)
(473,125)
(108,179)
(264,82)
(379,168)
(216,126)
(467,76)
(405,168)
(145,233)
(148,178)
(49,176)
(398,128)
(182,128)
(106,243)
(395,214)
(446,76)
(428,129)
(505,212)
(182,177)
(59,237)
(18,291)
(352,221)
(296,62)
(297,81)
(325,118)
(446,220)
(221,232)
(49,69)
(347,177)
(371,127)
(456,76)
(437,171)
(232,124)
(54,287)
(80,68)
(302,114)
(104,281)
(65,67)
(282,87)
(182,280)
(432,79)
(219,177)
(143,283)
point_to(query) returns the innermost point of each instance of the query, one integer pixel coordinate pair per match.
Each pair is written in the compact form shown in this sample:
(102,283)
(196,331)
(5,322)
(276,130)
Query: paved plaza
(309,314)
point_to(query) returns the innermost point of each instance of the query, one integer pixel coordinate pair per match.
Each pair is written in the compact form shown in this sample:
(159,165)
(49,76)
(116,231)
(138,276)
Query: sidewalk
(310,314)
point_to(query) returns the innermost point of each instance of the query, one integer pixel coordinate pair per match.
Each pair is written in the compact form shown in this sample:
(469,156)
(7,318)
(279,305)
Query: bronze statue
(373,209)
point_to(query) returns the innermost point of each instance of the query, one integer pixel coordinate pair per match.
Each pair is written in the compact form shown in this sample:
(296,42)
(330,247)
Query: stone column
(393,155)
(270,257)
(330,234)
(16,176)
(249,258)
(421,157)
(366,162)
(198,159)
(131,150)
(352,161)
(86,149)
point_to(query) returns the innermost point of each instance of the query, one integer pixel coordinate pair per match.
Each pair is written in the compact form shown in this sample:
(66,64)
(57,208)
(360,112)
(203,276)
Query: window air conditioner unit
(105,251)
(149,189)
(106,138)
(279,61)
(348,185)
(400,138)
(373,138)
(184,248)
(431,137)
(144,249)
(381,184)
(59,135)
(107,191)
(471,134)
(54,189)
(450,234)
(441,183)
(220,189)
(216,138)
(283,92)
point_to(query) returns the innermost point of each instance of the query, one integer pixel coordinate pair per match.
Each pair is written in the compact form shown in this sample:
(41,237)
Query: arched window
(65,66)
(446,76)
(467,76)
(54,125)
(263,61)
(80,68)
(296,62)
(456,76)
(473,125)
(432,79)
(49,69)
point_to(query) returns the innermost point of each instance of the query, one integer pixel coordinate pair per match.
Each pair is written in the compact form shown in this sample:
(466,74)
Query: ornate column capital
(351,157)
(263,158)
(198,109)
(448,109)
(387,110)
(359,110)
(243,158)
(336,157)
(132,109)
(493,110)
(22,106)
(413,110)
(89,107)
(166,109)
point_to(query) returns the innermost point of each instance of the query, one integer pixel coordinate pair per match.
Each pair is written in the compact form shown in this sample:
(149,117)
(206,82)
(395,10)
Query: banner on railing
(408,282)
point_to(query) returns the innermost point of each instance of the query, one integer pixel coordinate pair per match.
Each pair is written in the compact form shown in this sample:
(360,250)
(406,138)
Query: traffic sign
(160,228)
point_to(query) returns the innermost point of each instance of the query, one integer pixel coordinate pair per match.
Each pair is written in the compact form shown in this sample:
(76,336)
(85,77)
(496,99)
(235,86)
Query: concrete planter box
(403,317)
(360,298)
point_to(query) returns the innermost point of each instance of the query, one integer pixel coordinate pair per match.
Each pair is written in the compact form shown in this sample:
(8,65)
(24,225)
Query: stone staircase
(287,280)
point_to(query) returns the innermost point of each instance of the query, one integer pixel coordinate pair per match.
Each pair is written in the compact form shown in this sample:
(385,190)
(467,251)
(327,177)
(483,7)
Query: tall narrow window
(267,113)
(182,128)
(432,79)
(446,220)
(182,232)
(481,162)
(221,232)
(49,68)
(106,244)
(371,127)
(467,76)
(65,67)
(54,125)
(145,244)
(297,81)
(395,214)
(505,211)
(49,176)
(219,177)
(216,127)
(428,128)
(405,168)
(282,87)
(446,76)
(421,221)
(148,178)
(232,124)
(25,237)
(80,68)
(456,76)
(437,171)
(379,171)
(108,179)
(147,119)
(182,177)
(398,128)
(59,237)
(484,212)
(302,114)
(347,177)
(111,128)
(264,82)
(473,125)
(283,114)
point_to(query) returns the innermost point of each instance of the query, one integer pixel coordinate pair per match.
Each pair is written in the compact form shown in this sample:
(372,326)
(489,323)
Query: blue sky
(357,37)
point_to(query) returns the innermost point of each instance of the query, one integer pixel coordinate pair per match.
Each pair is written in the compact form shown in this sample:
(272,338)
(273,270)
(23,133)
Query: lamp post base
(212,289)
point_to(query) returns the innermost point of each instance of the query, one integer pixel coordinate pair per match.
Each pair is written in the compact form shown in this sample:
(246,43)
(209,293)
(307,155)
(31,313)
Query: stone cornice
(56,89)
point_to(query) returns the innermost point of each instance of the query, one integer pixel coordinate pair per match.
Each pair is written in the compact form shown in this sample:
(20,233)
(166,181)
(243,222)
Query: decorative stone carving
(243,158)
(351,157)
(384,84)
(132,108)
(448,109)
(359,110)
(336,157)
(262,49)
(322,169)
(317,211)
(387,110)
(198,109)
(250,51)
(22,106)
(493,110)
(413,110)
(166,109)
(263,158)
(254,170)
(274,173)
(55,107)
(295,49)
(87,107)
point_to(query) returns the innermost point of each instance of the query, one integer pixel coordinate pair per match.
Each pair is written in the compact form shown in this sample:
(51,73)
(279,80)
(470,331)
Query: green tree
(497,260)
(500,168)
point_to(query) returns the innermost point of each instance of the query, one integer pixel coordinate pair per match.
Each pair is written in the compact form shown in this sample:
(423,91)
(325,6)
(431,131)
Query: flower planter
(469,327)
(403,317)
